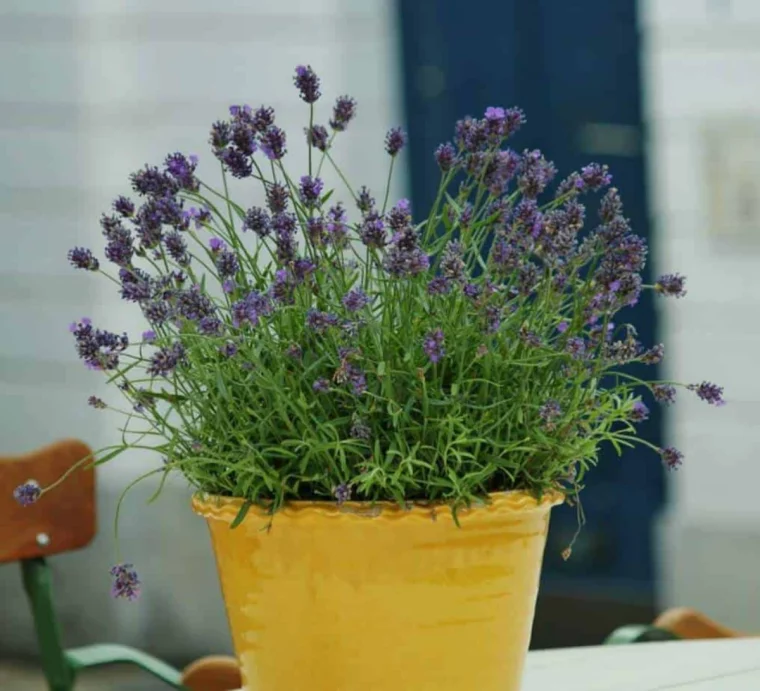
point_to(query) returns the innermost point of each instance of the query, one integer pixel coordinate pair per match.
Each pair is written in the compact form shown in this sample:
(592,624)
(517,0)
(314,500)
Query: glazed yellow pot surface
(359,598)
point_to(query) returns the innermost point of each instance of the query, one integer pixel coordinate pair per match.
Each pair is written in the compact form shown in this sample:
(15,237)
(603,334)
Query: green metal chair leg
(55,665)
(112,653)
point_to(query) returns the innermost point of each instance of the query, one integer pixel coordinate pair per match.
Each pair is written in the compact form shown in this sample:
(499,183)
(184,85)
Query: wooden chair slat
(66,515)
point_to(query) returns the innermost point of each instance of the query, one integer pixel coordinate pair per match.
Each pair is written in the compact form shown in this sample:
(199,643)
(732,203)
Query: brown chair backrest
(62,519)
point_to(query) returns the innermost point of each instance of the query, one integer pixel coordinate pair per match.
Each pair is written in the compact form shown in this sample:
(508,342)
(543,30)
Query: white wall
(91,91)
(702,100)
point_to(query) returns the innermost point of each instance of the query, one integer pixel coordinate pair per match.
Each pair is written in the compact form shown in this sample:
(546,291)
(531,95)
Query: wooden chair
(61,521)
(674,624)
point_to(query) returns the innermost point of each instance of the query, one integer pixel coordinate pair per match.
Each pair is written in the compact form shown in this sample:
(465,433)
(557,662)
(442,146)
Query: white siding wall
(91,91)
(702,60)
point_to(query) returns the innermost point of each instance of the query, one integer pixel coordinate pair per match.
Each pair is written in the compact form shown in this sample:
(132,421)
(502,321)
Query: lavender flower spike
(307,83)
(671,285)
(28,493)
(126,583)
(708,392)
(395,141)
(82,258)
(433,345)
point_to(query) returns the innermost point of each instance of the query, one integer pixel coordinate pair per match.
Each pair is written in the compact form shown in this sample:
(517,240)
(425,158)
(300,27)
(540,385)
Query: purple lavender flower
(470,134)
(664,393)
(319,322)
(535,174)
(277,198)
(182,169)
(309,191)
(639,412)
(97,403)
(365,202)
(165,360)
(336,227)
(671,285)
(317,137)
(307,83)
(227,264)
(372,231)
(595,176)
(302,269)
(343,112)
(400,216)
(549,412)
(28,493)
(395,141)
(316,230)
(653,355)
(262,119)
(210,325)
(445,156)
(321,386)
(157,312)
(493,318)
(249,310)
(82,258)
(273,143)
(135,285)
(610,207)
(671,457)
(576,347)
(342,493)
(284,226)
(220,135)
(119,249)
(472,291)
(199,217)
(708,392)
(452,262)
(151,182)
(176,247)
(258,221)
(124,206)
(294,351)
(236,162)
(126,583)
(440,285)
(148,336)
(433,345)
(505,255)
(360,429)
(98,349)
(355,300)
(229,349)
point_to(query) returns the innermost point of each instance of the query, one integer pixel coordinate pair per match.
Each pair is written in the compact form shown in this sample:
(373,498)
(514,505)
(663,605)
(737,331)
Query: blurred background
(663,91)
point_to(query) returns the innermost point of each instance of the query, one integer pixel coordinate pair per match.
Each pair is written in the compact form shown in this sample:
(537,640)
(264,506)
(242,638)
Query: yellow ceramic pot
(363,598)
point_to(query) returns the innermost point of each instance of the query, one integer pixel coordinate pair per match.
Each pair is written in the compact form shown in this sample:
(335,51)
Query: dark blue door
(574,68)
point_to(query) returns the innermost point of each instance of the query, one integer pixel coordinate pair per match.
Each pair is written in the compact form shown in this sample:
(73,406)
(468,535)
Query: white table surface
(724,665)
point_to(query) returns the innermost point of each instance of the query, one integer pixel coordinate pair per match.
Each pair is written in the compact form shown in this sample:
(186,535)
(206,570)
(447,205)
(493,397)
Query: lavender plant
(300,351)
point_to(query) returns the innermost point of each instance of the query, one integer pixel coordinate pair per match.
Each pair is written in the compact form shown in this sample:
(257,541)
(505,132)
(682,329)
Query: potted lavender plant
(384,403)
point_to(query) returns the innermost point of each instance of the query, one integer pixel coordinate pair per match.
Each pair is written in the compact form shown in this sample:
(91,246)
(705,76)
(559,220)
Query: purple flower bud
(671,285)
(309,191)
(28,493)
(97,403)
(277,198)
(124,206)
(317,137)
(273,143)
(395,141)
(126,583)
(360,429)
(355,300)
(163,362)
(321,386)
(82,258)
(229,349)
(664,393)
(258,221)
(671,457)
(342,493)
(654,355)
(445,156)
(182,169)
(433,345)
(440,285)
(343,112)
(595,176)
(307,83)
(549,412)
(708,392)
(639,412)
(149,336)
(562,327)
(216,244)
